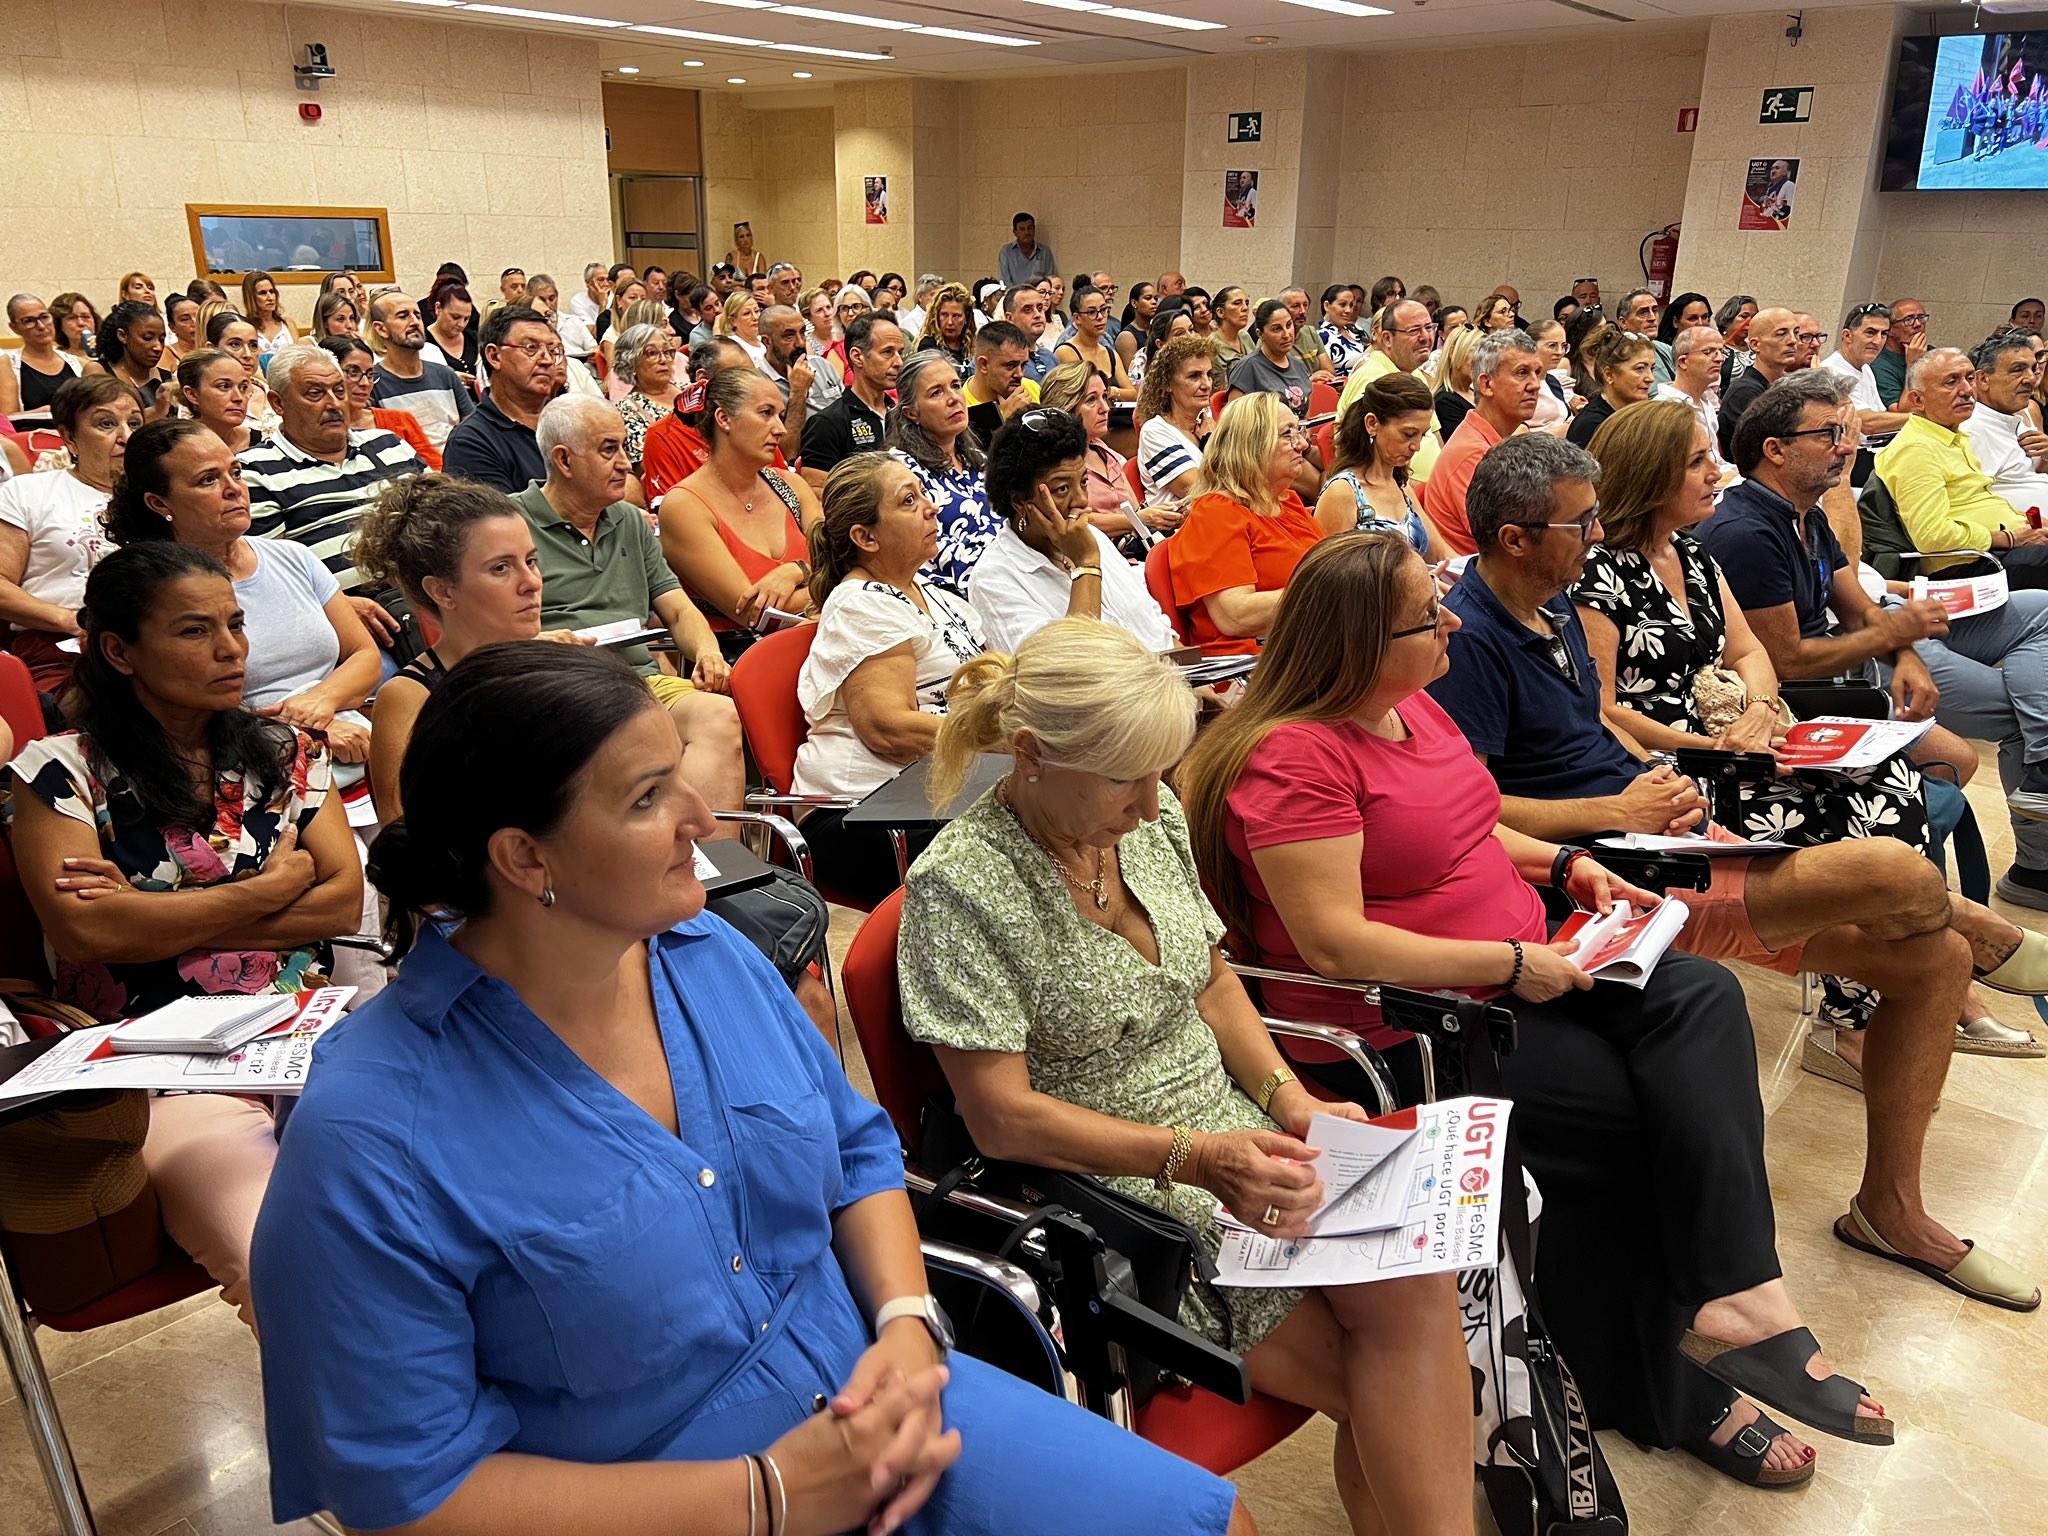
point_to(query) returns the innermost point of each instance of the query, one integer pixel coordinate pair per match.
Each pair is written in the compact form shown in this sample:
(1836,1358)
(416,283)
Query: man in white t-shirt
(597,292)
(1696,356)
(1864,333)
(2011,450)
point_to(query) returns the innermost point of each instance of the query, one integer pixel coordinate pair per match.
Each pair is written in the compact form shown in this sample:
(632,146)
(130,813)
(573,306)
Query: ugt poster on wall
(1767,193)
(1240,199)
(877,189)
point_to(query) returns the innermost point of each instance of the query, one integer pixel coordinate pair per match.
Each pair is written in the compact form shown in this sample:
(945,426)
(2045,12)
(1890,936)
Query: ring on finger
(1271,1218)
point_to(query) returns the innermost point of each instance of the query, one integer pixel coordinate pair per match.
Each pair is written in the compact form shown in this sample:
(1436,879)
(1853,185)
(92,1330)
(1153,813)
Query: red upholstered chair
(19,705)
(1132,479)
(1198,1425)
(1217,401)
(1159,583)
(1326,444)
(1322,399)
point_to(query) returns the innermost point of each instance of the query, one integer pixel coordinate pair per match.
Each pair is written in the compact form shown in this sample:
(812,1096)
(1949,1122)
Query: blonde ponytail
(977,699)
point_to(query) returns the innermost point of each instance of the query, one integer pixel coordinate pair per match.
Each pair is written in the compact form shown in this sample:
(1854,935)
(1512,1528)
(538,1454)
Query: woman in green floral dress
(1058,952)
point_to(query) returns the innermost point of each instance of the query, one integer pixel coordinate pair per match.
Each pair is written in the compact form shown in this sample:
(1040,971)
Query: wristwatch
(926,1310)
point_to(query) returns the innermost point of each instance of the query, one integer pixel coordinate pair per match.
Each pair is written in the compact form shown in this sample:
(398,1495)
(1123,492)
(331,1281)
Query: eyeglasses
(1434,626)
(1814,336)
(1835,432)
(1911,319)
(1045,418)
(1297,435)
(45,318)
(538,350)
(1417,332)
(1091,314)
(1583,526)
(357,375)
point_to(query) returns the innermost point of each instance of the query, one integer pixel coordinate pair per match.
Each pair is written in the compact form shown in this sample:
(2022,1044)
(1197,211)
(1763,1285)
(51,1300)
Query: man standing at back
(1507,376)
(1024,260)
(433,394)
(1774,338)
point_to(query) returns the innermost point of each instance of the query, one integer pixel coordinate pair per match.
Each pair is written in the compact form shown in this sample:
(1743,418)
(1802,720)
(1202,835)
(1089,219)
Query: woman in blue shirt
(580,1227)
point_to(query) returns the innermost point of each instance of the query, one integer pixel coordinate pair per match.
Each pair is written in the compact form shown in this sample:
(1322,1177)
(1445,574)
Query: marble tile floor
(165,1412)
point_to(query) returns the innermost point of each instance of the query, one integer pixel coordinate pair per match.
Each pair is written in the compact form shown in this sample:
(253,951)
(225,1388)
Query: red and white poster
(1841,744)
(1768,191)
(1240,199)
(876,190)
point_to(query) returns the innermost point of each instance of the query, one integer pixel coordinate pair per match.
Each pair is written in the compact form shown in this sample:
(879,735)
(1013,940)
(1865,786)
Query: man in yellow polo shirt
(1943,495)
(1403,335)
(997,389)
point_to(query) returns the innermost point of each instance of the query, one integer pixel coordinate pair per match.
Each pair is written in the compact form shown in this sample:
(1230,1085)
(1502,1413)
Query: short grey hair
(1516,481)
(785,266)
(1494,348)
(626,351)
(1777,411)
(774,312)
(1297,288)
(1987,354)
(1916,376)
(287,363)
(929,282)
(571,421)
(591,269)
(1692,338)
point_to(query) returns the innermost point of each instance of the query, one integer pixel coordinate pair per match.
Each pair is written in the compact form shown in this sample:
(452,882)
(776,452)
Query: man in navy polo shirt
(1523,688)
(495,444)
(1984,676)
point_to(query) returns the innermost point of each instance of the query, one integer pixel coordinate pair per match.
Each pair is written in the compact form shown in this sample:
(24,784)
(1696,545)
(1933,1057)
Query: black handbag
(1553,1479)
(1166,1256)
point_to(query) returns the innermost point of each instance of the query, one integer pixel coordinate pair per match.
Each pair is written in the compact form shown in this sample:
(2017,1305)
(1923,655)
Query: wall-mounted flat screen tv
(1969,111)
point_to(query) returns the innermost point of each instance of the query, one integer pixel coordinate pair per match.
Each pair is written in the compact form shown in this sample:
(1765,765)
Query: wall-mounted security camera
(312,67)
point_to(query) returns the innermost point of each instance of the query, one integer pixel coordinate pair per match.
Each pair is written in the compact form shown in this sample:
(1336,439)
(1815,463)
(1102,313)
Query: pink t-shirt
(1426,809)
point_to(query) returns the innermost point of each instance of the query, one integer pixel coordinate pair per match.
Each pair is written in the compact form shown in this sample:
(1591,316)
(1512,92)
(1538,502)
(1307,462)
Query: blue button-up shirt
(473,1243)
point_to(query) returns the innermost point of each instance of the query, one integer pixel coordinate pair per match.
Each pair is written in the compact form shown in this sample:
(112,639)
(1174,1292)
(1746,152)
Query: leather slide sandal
(1742,1458)
(1774,1372)
(1980,1276)
(2024,972)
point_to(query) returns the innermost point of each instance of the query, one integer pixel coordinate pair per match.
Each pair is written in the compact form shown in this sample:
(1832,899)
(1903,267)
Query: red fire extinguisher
(1659,256)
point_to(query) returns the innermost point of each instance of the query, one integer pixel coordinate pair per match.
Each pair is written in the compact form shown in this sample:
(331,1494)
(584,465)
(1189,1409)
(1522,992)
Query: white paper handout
(1625,945)
(1707,847)
(620,632)
(1412,1193)
(275,1063)
(1842,743)
(1965,595)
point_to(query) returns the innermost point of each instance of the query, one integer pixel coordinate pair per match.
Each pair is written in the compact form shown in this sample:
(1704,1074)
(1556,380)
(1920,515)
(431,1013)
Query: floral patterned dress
(966,525)
(994,957)
(1663,646)
(66,775)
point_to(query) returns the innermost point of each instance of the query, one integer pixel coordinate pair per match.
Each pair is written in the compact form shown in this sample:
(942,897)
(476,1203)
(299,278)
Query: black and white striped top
(293,495)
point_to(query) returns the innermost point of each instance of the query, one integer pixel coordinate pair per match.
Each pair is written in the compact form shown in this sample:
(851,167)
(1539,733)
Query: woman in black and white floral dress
(1658,615)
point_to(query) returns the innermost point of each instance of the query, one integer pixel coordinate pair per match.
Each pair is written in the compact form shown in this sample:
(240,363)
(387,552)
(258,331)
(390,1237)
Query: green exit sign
(1787,104)
(1245,127)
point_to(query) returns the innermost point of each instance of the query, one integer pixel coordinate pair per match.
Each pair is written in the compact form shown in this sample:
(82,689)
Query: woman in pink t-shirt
(1343,825)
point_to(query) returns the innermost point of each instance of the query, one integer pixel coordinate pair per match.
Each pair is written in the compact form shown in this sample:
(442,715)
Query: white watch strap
(902,1306)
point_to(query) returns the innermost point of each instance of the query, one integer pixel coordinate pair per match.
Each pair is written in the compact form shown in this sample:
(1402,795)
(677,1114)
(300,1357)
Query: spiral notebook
(205,1026)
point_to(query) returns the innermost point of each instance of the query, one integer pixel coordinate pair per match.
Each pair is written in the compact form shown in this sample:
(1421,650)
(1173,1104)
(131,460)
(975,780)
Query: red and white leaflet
(1434,1204)
(1839,744)
(1625,945)
(1965,595)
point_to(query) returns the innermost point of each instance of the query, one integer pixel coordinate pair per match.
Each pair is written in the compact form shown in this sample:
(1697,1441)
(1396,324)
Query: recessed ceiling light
(996,38)
(800,74)
(562,16)
(1260,41)
(693,63)
(735,79)
(629,69)
(1340,7)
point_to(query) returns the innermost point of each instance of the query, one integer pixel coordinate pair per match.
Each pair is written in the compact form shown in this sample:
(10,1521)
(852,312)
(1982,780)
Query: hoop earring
(547,895)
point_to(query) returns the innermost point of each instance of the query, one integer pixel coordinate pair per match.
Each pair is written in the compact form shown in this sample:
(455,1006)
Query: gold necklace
(1096,887)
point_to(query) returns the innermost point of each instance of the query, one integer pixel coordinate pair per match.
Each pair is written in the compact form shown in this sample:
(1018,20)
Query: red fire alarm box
(310,111)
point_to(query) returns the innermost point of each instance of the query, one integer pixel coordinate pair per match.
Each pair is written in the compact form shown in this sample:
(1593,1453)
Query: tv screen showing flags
(1970,111)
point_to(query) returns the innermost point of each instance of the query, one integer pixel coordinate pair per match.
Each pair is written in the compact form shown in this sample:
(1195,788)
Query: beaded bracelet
(1516,974)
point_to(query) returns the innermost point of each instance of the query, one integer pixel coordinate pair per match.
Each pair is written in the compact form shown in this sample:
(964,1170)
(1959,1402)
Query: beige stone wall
(1968,256)
(1101,170)
(774,168)
(873,137)
(1262,258)
(486,145)
(1532,164)
(1829,255)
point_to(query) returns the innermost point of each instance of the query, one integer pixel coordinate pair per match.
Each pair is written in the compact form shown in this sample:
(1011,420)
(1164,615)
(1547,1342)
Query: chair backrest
(1159,583)
(764,691)
(1326,443)
(1137,485)
(1885,538)
(19,705)
(903,1071)
(1218,400)
(1322,399)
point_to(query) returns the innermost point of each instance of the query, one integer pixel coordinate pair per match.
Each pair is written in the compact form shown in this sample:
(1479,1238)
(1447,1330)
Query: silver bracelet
(753,1509)
(781,1495)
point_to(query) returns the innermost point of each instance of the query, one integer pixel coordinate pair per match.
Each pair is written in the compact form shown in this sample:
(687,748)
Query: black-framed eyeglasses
(1811,336)
(1434,626)
(1834,432)
(1911,319)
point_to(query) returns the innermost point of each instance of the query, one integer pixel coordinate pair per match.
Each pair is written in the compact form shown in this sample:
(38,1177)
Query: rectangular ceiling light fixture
(1339,7)
(526,15)
(700,37)
(1123,13)
(995,38)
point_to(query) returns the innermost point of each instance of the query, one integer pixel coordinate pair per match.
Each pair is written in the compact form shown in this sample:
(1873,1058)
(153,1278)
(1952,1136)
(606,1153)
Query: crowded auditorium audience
(534,589)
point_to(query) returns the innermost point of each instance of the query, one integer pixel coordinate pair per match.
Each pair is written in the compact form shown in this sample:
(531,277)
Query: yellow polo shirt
(1943,494)
(1378,365)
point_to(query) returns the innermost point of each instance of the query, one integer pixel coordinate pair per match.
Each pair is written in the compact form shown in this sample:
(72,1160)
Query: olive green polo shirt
(616,575)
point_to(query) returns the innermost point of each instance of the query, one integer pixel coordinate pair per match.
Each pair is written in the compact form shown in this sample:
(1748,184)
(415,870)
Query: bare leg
(1337,1352)
(1942,745)
(709,727)
(1891,915)
(817,1003)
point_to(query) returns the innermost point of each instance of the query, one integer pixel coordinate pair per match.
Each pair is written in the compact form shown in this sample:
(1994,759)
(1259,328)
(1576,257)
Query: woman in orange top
(1247,529)
(735,531)
(358,371)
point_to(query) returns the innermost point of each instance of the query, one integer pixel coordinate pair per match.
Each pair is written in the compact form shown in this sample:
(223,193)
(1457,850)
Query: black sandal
(1742,1458)
(1774,1372)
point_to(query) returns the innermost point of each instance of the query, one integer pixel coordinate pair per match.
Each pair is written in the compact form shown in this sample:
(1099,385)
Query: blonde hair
(1091,693)
(951,293)
(1063,387)
(1457,353)
(729,311)
(1236,463)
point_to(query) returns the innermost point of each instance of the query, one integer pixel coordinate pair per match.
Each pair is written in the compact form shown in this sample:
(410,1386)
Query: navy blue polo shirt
(493,449)
(1538,726)
(1772,555)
